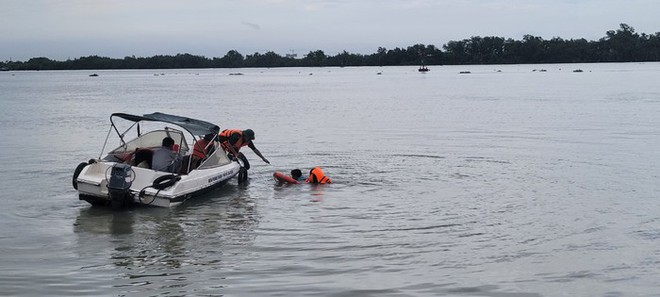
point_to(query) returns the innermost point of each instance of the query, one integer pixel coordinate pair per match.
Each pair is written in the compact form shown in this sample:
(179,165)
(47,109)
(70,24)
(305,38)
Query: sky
(69,29)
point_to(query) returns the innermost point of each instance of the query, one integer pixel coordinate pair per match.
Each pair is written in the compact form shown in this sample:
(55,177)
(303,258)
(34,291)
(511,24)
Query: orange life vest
(318,177)
(200,149)
(283,178)
(225,134)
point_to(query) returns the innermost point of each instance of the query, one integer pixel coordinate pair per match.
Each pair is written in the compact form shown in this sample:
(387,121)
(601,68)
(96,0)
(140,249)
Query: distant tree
(314,58)
(40,63)
(621,45)
(380,57)
(269,59)
(652,47)
(457,52)
(233,59)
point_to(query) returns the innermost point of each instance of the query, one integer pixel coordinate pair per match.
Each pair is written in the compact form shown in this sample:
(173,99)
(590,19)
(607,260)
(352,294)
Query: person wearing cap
(233,140)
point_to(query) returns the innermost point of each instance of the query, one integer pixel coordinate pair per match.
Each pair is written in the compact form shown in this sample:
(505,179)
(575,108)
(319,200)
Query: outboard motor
(119,183)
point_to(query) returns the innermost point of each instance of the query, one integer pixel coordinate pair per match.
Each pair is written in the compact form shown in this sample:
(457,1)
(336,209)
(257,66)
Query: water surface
(502,182)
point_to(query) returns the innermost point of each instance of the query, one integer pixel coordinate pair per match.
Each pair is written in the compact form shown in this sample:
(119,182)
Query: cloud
(206,27)
(251,25)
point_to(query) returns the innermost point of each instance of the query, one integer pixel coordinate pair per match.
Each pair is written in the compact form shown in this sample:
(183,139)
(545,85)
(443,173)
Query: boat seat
(143,158)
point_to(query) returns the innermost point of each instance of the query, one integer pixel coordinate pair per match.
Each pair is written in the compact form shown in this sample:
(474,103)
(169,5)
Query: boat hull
(92,184)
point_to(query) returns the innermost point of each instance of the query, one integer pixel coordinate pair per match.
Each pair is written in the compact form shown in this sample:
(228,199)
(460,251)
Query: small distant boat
(235,73)
(93,75)
(423,68)
(578,70)
(465,72)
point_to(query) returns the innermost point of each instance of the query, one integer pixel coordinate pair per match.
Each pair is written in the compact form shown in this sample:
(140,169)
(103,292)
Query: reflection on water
(104,221)
(160,250)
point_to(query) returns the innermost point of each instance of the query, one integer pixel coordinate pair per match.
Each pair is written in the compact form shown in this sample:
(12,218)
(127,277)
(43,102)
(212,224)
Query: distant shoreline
(621,45)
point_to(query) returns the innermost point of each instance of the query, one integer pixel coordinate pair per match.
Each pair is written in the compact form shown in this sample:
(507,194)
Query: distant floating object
(236,73)
(423,68)
(379,73)
(93,75)
(464,72)
(578,70)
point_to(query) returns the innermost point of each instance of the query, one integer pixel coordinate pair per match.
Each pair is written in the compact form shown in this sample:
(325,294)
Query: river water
(507,181)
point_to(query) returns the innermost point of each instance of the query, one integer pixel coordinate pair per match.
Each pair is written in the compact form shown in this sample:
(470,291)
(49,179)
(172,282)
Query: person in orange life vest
(317,176)
(233,140)
(294,178)
(202,149)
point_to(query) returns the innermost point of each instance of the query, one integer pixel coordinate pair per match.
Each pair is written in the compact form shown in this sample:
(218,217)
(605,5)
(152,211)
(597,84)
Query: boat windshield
(153,140)
(217,158)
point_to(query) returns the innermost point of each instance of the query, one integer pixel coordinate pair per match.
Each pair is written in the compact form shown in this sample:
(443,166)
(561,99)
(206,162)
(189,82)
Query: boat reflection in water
(159,249)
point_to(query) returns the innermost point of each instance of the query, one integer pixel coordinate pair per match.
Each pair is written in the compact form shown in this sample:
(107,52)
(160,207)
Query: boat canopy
(194,126)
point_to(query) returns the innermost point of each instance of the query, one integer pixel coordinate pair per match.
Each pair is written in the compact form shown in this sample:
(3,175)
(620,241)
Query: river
(507,181)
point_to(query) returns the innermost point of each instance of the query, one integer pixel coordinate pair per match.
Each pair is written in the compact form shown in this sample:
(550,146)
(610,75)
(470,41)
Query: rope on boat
(160,183)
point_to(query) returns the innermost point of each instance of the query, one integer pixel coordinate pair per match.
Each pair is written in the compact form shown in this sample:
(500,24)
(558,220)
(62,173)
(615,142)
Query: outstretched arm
(256,151)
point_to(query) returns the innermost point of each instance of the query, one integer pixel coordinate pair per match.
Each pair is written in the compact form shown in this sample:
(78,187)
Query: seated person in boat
(202,148)
(165,159)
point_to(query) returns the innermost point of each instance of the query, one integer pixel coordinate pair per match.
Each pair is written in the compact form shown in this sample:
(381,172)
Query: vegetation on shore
(621,45)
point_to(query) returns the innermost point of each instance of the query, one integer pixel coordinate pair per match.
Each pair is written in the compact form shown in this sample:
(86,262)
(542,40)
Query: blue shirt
(165,159)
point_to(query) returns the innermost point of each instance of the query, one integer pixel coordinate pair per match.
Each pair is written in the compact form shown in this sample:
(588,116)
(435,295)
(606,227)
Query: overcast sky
(62,29)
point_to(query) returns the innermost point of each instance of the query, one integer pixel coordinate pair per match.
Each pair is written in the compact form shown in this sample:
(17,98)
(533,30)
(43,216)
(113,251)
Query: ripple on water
(528,186)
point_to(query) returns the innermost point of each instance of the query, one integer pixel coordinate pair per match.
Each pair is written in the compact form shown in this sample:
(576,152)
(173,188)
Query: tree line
(621,45)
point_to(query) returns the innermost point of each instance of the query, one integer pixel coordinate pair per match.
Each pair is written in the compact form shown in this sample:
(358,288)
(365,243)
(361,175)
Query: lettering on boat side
(220,176)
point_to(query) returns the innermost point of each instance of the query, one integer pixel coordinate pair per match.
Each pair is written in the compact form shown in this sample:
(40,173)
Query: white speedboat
(123,176)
